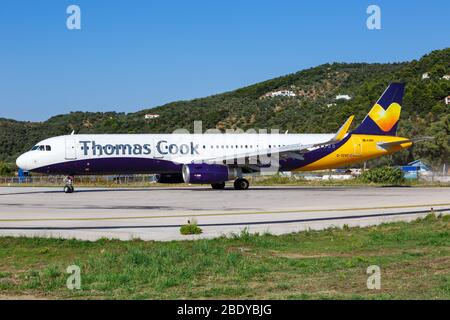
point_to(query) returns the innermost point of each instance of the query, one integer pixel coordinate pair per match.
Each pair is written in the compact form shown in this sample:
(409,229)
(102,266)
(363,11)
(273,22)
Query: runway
(157,213)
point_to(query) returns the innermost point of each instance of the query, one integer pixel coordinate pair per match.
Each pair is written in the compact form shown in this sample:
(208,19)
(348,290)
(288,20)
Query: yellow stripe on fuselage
(358,148)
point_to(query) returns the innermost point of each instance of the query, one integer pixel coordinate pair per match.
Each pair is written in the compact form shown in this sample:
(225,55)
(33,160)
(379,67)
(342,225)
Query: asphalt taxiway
(157,213)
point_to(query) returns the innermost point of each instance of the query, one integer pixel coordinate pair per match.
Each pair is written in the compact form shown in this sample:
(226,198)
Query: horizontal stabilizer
(387,145)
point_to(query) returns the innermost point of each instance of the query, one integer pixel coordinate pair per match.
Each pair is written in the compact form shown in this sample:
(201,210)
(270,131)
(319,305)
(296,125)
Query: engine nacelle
(170,178)
(203,173)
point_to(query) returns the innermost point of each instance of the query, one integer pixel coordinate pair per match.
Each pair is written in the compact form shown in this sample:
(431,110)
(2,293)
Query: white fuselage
(174,148)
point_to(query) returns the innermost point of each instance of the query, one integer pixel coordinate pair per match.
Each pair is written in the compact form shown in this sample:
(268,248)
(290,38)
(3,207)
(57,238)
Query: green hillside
(424,110)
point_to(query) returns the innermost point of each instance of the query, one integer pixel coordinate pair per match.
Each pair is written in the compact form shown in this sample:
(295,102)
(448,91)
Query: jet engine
(208,173)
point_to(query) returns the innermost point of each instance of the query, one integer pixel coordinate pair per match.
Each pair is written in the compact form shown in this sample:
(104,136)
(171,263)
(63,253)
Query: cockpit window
(42,148)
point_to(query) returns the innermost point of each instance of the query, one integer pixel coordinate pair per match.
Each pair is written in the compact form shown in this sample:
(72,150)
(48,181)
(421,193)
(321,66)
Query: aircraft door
(357,147)
(71,150)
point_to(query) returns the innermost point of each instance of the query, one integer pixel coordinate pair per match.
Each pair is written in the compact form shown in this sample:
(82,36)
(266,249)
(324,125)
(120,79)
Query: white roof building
(280,93)
(343,97)
(447,100)
(426,75)
(151,116)
(446,77)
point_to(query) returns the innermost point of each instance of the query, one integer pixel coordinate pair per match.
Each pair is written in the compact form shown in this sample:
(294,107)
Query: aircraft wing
(294,151)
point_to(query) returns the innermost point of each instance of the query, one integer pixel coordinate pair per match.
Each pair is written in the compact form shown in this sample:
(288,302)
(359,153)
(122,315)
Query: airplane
(217,158)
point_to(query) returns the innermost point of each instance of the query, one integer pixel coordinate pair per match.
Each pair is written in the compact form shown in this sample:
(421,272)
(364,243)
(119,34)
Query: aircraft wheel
(218,186)
(241,184)
(69,189)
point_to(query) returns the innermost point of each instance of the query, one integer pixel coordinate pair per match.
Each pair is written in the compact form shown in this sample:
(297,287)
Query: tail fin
(384,115)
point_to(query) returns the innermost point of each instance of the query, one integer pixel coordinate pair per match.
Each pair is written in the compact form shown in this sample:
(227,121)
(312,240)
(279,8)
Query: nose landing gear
(68,188)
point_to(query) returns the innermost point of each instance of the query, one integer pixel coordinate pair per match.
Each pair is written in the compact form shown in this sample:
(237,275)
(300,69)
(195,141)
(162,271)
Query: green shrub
(190,229)
(386,175)
(6,169)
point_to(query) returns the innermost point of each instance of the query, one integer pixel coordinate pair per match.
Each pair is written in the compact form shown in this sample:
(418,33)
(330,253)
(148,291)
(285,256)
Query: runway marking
(227,213)
(228,223)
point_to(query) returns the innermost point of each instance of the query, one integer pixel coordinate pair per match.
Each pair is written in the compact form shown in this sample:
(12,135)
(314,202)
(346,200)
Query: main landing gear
(239,184)
(68,188)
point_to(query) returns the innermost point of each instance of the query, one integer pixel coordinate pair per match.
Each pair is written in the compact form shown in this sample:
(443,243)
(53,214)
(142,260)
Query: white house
(151,116)
(283,93)
(447,100)
(426,75)
(343,97)
(446,77)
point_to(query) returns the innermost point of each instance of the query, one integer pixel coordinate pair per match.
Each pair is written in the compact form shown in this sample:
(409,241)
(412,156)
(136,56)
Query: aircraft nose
(24,162)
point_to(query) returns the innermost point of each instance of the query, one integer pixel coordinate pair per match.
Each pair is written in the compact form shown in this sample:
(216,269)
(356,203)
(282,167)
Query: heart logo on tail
(385,119)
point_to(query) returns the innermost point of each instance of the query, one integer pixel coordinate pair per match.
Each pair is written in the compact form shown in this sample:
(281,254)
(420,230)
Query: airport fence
(435,177)
(110,180)
(145,179)
(94,180)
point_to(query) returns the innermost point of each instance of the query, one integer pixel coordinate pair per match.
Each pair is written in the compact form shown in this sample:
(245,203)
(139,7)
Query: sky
(136,54)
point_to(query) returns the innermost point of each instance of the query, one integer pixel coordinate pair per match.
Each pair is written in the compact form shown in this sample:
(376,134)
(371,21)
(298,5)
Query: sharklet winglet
(344,129)
(339,135)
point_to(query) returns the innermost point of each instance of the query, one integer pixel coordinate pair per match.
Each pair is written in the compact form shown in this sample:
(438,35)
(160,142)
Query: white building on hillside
(151,116)
(282,93)
(447,100)
(343,97)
